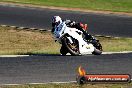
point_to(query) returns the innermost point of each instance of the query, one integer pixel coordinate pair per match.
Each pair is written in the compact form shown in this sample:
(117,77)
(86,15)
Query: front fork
(70,40)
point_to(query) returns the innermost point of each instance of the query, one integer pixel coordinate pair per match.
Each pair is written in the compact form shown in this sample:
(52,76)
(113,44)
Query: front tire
(73,48)
(63,50)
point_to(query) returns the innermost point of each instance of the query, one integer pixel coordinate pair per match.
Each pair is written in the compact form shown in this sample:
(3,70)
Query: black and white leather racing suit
(76,25)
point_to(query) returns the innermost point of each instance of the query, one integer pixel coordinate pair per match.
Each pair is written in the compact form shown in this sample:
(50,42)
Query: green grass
(72,85)
(13,41)
(116,44)
(26,42)
(108,5)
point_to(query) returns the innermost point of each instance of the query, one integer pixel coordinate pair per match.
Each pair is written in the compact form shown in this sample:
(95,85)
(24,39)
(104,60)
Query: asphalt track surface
(111,25)
(49,68)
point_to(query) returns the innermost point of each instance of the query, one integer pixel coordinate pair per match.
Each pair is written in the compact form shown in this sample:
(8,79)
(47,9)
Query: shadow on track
(45,55)
(38,54)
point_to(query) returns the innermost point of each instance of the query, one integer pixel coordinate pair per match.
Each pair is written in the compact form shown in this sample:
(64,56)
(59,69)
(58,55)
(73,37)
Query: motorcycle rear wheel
(98,48)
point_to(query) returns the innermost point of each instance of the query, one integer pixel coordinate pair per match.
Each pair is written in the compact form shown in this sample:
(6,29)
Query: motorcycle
(74,42)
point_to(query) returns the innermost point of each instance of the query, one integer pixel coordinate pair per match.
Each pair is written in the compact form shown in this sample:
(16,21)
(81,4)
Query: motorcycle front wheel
(73,48)
(63,50)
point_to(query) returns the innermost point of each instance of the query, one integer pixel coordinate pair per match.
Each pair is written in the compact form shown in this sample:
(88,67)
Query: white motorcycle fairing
(62,29)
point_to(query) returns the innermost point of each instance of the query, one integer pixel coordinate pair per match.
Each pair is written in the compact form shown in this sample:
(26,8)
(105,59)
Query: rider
(56,20)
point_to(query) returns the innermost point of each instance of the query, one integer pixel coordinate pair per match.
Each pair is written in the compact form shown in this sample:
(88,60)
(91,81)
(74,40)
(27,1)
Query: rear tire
(97,52)
(98,48)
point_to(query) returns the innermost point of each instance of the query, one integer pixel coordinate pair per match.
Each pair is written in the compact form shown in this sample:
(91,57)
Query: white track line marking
(14,55)
(41,83)
(117,52)
(67,54)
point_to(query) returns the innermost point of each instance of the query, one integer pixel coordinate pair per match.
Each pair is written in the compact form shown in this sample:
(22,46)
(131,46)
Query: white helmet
(56,20)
